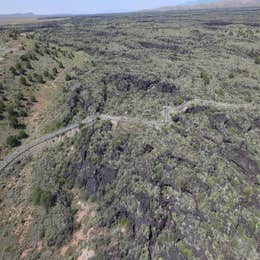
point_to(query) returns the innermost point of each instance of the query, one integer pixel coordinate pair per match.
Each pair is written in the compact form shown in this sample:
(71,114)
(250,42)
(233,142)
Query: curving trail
(67,131)
(74,128)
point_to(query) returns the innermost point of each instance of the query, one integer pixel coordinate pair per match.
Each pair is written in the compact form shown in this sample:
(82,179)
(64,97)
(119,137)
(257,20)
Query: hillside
(142,137)
(215,4)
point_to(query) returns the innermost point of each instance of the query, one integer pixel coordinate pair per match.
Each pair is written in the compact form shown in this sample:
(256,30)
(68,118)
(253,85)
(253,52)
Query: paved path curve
(27,148)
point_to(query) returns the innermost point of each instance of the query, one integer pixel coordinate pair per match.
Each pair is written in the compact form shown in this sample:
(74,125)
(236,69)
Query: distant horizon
(80,7)
(31,8)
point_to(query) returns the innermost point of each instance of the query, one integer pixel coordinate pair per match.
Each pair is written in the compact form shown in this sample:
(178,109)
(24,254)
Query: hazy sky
(83,6)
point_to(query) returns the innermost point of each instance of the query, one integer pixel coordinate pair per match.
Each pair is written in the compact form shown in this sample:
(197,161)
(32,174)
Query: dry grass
(25,20)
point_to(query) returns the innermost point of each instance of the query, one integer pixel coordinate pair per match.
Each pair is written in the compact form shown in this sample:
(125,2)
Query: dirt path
(38,110)
(88,211)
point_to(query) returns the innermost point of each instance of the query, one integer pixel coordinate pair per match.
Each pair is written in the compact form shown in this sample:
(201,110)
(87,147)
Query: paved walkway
(71,129)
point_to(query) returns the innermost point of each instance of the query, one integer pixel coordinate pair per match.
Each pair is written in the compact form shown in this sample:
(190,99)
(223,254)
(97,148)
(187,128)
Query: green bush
(45,199)
(38,78)
(257,60)
(184,250)
(204,75)
(67,77)
(46,73)
(20,68)
(220,92)
(13,35)
(248,99)
(22,113)
(13,70)
(23,80)
(11,110)
(41,197)
(180,100)
(29,77)
(29,65)
(184,185)
(19,96)
(13,121)
(22,135)
(36,46)
(33,98)
(24,57)
(12,141)
(61,65)
(36,195)
(231,75)
(54,71)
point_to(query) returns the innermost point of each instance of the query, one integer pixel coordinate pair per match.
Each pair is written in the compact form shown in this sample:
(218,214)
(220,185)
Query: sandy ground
(84,210)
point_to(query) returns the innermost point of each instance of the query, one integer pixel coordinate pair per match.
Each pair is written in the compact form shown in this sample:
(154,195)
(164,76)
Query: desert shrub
(11,110)
(46,73)
(38,78)
(61,65)
(36,47)
(54,71)
(19,96)
(184,185)
(180,100)
(158,171)
(220,92)
(35,75)
(29,77)
(22,135)
(184,250)
(13,70)
(248,99)
(12,141)
(19,68)
(33,98)
(116,143)
(45,199)
(13,35)
(29,65)
(13,121)
(33,56)
(46,50)
(231,75)
(41,197)
(24,57)
(23,80)
(204,75)
(36,195)
(22,113)
(67,77)
(257,60)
